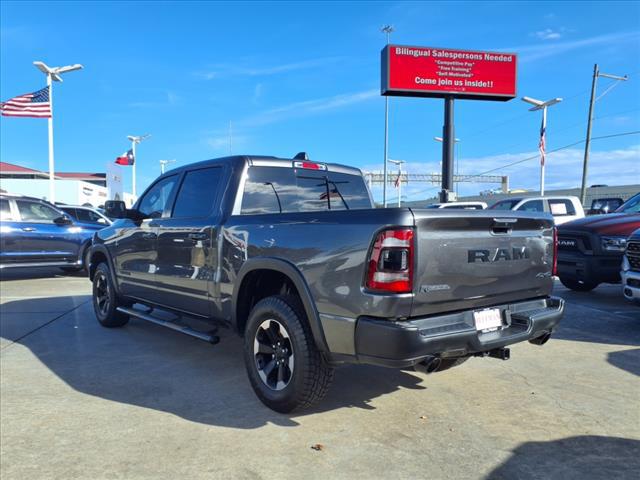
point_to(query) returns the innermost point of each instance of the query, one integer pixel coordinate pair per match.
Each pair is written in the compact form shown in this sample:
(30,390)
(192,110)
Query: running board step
(213,339)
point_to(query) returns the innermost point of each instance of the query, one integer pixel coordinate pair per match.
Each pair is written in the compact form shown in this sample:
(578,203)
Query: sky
(205,79)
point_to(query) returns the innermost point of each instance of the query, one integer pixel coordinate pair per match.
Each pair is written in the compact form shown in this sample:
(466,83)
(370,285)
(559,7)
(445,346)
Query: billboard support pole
(448,144)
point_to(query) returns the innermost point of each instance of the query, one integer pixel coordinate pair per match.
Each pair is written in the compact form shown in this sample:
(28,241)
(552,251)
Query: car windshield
(630,206)
(505,204)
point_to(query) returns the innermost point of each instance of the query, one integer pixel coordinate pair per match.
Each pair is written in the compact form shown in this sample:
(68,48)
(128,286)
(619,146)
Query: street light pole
(592,103)
(386,29)
(53,73)
(163,164)
(540,105)
(52,188)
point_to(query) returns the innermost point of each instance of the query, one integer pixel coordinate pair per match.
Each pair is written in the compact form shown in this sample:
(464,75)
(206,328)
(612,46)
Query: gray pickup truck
(293,256)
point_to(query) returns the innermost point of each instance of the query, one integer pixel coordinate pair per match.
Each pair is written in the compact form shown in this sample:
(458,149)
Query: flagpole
(52,190)
(133,170)
(543,153)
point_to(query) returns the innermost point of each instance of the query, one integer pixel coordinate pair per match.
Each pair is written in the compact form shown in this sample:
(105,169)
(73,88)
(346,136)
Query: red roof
(11,168)
(80,175)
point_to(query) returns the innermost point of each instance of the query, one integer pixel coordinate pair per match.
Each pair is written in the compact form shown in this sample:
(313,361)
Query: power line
(534,157)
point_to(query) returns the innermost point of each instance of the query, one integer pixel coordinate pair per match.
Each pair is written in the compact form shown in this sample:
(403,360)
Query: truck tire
(105,300)
(578,286)
(286,370)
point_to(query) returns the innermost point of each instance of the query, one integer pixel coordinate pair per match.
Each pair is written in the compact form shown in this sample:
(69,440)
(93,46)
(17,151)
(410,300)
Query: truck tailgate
(477,259)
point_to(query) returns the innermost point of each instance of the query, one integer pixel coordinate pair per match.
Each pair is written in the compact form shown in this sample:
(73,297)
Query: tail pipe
(542,339)
(428,365)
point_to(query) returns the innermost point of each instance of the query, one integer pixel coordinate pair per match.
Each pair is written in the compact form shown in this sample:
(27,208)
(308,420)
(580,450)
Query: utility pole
(53,73)
(592,103)
(388,29)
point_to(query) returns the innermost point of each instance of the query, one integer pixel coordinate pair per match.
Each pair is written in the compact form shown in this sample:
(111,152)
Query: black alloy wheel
(273,353)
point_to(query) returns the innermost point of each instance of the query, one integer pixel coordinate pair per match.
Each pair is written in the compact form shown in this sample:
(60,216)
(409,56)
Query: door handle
(149,236)
(28,229)
(198,236)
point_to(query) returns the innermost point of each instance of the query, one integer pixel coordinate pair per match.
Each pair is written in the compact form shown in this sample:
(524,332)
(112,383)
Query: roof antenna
(301,156)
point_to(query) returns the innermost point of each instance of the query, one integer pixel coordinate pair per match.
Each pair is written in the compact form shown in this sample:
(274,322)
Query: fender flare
(292,272)
(102,249)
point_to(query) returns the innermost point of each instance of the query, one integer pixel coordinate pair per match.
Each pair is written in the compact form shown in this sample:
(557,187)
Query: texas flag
(126,158)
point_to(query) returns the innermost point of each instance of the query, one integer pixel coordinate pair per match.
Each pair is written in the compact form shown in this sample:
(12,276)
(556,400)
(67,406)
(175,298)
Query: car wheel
(286,370)
(105,300)
(578,286)
(85,263)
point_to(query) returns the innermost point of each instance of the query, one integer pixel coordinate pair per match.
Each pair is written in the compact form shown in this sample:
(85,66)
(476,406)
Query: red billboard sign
(440,72)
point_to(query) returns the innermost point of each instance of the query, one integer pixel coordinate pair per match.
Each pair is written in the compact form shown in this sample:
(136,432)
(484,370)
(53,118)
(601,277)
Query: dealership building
(73,188)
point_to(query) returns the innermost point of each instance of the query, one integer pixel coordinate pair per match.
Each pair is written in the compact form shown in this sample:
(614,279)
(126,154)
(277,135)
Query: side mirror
(115,209)
(63,220)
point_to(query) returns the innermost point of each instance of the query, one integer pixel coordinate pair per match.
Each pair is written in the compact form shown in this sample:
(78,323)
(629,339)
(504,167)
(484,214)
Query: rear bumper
(589,268)
(405,343)
(631,285)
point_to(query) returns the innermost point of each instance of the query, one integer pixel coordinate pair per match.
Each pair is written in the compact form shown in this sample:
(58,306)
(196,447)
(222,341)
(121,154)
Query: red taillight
(391,262)
(554,272)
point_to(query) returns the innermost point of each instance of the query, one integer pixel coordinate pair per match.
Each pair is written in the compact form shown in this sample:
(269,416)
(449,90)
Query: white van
(563,209)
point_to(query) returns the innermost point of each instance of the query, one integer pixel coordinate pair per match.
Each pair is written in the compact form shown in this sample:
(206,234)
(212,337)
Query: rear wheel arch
(99,254)
(270,275)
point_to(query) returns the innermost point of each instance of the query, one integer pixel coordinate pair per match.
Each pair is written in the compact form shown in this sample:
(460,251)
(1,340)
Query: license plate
(490,319)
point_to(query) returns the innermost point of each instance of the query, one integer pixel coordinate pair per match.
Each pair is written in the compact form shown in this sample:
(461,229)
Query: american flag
(543,144)
(34,104)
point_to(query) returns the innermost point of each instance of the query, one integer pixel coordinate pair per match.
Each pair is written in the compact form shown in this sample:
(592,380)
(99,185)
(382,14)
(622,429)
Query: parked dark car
(292,255)
(86,216)
(34,233)
(590,249)
(604,205)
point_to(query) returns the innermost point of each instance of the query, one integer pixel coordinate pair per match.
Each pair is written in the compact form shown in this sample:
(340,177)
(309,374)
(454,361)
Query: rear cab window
(284,190)
(561,207)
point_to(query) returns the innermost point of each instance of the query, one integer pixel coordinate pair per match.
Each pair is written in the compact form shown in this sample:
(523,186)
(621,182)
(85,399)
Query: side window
(87,215)
(72,212)
(155,200)
(36,212)
(197,194)
(5,211)
(532,206)
(560,208)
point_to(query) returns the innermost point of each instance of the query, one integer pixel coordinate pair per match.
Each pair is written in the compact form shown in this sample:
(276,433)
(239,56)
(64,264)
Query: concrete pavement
(81,401)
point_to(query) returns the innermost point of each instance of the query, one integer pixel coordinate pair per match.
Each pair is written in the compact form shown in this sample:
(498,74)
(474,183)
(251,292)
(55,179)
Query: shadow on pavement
(8,274)
(628,360)
(584,457)
(149,366)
